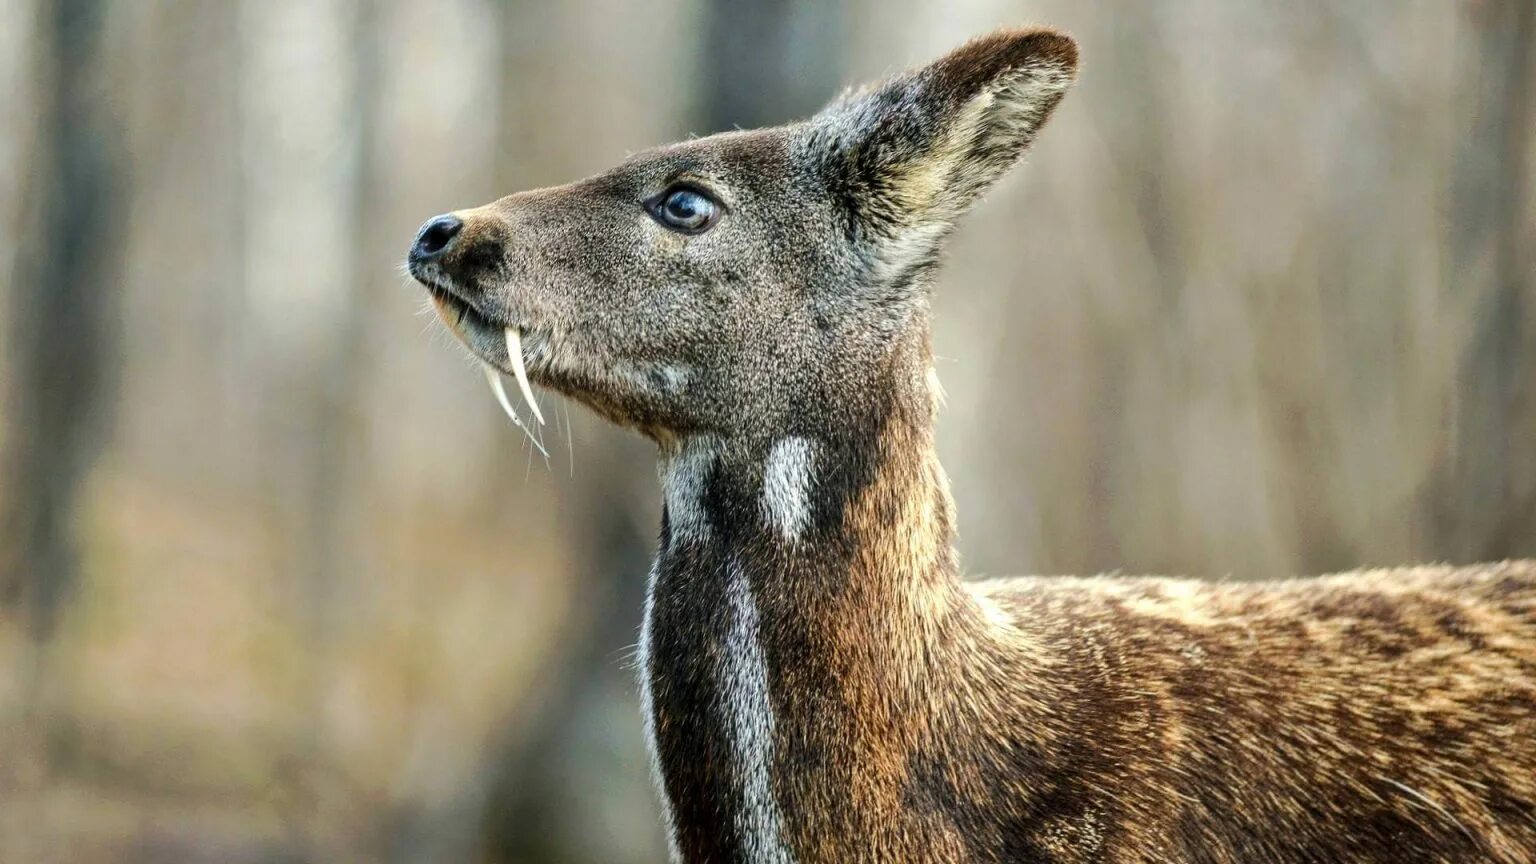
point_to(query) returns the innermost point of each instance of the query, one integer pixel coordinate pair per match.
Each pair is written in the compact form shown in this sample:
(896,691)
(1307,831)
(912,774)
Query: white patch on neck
(648,717)
(683,475)
(787,486)
(749,718)
(642,663)
(673,378)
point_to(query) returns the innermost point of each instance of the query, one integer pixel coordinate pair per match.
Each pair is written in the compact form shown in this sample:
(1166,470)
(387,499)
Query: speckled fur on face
(819,683)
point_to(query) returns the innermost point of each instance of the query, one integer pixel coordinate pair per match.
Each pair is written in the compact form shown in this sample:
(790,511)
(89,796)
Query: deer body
(818,682)
(834,692)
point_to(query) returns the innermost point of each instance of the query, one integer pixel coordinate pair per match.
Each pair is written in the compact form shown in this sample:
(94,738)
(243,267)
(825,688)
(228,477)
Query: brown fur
(1384,715)
(819,682)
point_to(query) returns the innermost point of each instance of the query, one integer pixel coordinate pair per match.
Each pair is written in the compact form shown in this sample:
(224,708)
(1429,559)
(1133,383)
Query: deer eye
(684,209)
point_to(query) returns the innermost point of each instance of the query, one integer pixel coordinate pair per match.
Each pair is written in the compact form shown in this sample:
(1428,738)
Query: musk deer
(818,682)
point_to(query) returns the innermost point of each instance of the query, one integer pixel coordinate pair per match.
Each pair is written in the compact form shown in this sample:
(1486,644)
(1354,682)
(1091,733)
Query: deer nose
(435,238)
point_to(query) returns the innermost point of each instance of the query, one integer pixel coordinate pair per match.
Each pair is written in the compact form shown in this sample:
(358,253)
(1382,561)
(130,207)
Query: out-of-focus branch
(768,61)
(64,340)
(1491,512)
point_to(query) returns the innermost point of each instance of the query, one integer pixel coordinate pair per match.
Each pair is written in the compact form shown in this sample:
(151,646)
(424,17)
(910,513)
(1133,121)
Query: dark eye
(684,209)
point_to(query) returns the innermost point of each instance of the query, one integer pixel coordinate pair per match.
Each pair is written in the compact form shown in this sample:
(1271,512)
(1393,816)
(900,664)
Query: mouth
(489,340)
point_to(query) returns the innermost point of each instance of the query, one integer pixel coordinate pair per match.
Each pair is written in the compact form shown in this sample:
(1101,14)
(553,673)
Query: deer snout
(435,238)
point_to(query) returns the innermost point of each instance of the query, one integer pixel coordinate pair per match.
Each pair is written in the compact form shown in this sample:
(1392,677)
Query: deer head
(749,284)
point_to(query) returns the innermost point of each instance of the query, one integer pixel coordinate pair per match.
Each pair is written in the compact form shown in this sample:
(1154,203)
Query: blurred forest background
(279,583)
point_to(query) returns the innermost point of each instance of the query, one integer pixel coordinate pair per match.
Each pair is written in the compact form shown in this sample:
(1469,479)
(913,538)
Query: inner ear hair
(925,144)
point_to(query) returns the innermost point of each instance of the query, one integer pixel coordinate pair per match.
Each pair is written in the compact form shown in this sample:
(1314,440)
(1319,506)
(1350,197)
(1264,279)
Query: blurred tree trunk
(769,61)
(329,474)
(1143,136)
(64,339)
(1486,506)
(327,471)
(308,210)
(527,816)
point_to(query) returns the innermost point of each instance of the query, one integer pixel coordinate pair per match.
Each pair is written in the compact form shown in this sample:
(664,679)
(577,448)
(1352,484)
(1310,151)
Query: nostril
(436,236)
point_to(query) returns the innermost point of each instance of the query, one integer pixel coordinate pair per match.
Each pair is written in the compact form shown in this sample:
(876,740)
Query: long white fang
(493,378)
(515,358)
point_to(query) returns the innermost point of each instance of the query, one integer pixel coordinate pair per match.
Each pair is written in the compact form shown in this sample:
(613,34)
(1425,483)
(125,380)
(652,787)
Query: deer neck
(800,622)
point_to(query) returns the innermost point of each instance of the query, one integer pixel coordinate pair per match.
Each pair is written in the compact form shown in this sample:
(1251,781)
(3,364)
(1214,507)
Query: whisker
(493,378)
(627,655)
(528,466)
(540,431)
(570,448)
(548,466)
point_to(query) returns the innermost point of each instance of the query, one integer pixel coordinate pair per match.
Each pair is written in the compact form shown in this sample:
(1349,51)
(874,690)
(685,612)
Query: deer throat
(804,588)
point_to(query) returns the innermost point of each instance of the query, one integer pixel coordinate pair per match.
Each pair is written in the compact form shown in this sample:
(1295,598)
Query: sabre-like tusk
(515,358)
(493,378)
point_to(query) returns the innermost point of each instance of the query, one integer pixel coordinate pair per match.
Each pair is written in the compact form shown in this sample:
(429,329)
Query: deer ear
(921,147)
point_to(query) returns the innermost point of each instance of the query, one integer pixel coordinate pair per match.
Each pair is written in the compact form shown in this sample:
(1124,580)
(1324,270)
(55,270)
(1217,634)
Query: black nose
(435,237)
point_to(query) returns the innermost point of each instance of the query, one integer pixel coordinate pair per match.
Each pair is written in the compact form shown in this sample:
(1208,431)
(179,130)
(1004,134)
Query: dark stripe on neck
(791,582)
(687,632)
